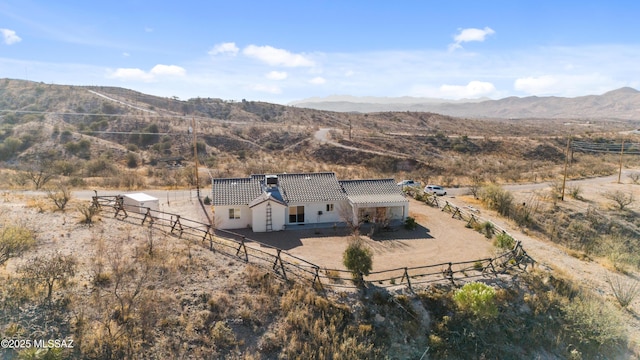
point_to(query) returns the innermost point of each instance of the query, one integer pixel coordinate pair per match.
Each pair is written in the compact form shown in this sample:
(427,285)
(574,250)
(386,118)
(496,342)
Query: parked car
(409,183)
(435,189)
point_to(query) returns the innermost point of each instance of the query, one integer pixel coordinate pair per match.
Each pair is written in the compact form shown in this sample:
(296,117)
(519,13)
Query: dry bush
(625,291)
(620,199)
(593,323)
(635,177)
(15,240)
(60,195)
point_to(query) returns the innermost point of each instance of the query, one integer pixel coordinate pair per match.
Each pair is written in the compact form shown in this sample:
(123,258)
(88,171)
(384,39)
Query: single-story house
(278,201)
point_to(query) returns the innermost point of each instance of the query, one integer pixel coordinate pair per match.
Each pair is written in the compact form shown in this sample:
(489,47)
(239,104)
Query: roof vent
(271,180)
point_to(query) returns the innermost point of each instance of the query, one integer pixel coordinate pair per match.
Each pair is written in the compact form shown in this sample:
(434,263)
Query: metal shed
(139,202)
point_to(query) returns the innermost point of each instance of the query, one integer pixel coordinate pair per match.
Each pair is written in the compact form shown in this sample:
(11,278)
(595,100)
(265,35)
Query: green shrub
(504,241)
(477,299)
(593,323)
(410,223)
(358,259)
(497,198)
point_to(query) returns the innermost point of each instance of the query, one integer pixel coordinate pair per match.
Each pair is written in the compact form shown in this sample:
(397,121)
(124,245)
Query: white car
(435,189)
(409,183)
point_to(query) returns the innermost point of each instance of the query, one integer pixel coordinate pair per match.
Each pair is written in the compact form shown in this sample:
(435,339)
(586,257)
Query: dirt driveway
(438,238)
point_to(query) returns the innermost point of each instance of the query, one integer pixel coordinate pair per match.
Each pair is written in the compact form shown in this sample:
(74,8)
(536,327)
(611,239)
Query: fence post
(472,221)
(457,212)
(148,214)
(120,207)
(317,277)
(448,273)
(275,263)
(244,247)
(177,222)
(208,233)
(406,275)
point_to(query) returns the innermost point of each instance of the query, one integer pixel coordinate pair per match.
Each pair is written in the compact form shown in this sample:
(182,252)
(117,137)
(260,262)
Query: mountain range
(623,103)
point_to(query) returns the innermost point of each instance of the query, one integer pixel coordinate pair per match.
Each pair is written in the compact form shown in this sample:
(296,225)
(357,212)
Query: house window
(329,207)
(234,213)
(296,214)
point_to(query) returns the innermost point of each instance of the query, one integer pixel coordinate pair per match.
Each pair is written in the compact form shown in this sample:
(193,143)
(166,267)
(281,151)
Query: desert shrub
(477,299)
(504,241)
(635,177)
(49,271)
(88,212)
(496,198)
(620,199)
(222,335)
(624,291)
(132,160)
(410,223)
(358,259)
(575,192)
(593,323)
(207,200)
(60,195)
(487,228)
(14,241)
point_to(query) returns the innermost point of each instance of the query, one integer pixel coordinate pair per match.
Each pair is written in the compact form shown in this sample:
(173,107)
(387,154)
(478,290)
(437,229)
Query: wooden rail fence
(290,267)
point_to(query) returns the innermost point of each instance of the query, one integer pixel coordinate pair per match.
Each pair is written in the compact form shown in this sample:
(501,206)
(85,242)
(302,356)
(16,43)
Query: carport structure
(375,201)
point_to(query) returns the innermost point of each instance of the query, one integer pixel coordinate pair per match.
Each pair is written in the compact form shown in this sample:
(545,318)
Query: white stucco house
(284,201)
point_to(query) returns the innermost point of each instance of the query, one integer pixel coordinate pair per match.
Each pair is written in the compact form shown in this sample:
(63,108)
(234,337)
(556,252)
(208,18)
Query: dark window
(296,214)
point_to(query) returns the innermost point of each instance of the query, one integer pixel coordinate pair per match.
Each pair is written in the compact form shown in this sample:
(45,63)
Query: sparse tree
(635,177)
(476,184)
(620,199)
(50,271)
(39,173)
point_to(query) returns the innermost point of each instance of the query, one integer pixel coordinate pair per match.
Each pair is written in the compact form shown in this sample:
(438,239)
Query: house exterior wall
(222,220)
(259,215)
(311,211)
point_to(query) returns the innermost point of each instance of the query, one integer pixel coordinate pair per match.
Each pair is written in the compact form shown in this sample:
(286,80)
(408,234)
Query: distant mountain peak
(622,91)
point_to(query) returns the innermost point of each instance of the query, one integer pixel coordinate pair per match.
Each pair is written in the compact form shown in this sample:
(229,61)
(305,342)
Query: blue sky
(280,51)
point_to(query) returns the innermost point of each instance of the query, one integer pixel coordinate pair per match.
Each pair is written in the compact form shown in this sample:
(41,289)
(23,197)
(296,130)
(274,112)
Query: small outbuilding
(139,202)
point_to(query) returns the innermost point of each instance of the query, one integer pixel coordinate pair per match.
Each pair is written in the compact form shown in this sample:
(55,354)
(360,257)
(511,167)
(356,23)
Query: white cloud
(172,70)
(9,36)
(159,70)
(228,48)
(131,74)
(125,54)
(318,80)
(277,57)
(277,75)
(536,85)
(271,89)
(148,29)
(473,89)
(470,34)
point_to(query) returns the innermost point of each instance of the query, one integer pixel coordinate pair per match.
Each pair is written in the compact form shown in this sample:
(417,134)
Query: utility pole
(621,153)
(566,163)
(195,155)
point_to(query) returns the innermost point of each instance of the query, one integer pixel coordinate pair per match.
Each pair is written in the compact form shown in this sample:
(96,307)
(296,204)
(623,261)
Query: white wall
(311,212)
(222,220)
(259,214)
